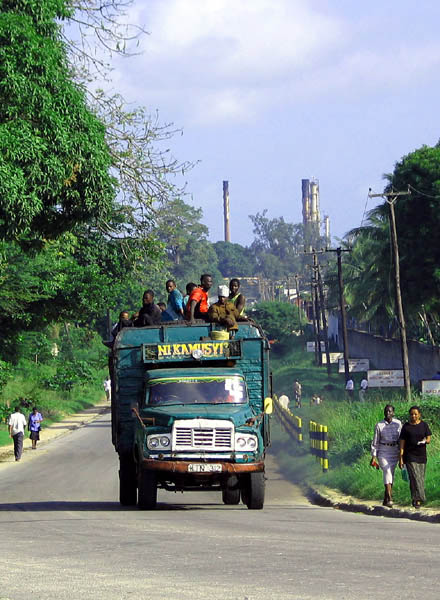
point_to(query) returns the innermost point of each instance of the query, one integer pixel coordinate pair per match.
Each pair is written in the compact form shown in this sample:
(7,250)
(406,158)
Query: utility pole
(391,198)
(314,319)
(342,307)
(318,313)
(320,307)
(298,303)
(324,319)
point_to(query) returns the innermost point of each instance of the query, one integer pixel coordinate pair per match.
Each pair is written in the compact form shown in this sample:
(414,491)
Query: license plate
(204,468)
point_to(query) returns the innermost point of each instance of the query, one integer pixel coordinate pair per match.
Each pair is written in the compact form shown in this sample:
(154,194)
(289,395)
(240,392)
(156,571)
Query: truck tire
(127,482)
(255,491)
(231,493)
(147,490)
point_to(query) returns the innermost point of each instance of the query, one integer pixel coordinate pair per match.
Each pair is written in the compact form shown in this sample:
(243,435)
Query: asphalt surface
(64,536)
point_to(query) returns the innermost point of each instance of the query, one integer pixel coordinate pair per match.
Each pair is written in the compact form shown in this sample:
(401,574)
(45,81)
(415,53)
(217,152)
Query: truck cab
(189,412)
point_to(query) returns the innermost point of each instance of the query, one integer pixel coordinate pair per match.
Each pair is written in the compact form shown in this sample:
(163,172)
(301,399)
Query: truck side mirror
(268,406)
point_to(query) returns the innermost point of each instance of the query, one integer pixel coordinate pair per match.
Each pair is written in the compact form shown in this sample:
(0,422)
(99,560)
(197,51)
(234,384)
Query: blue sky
(269,92)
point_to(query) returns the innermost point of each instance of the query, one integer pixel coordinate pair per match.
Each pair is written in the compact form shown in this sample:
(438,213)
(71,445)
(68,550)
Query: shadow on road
(102,506)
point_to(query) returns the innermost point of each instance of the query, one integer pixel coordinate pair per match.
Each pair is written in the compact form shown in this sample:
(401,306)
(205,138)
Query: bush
(6,371)
(68,375)
(278,319)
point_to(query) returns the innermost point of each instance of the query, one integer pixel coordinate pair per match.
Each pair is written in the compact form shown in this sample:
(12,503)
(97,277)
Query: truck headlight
(244,441)
(158,442)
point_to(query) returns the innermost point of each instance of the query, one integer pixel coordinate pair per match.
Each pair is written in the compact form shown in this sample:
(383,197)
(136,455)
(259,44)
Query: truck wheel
(231,493)
(256,488)
(127,482)
(147,489)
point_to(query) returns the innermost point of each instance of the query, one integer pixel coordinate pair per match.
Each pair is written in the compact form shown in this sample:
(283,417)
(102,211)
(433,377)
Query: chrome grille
(207,434)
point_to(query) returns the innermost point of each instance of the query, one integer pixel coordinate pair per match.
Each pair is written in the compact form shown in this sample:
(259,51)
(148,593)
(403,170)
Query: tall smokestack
(226,210)
(305,184)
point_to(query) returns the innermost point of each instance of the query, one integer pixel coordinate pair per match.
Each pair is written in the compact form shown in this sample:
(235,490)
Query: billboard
(310,346)
(390,378)
(431,386)
(355,365)
(334,357)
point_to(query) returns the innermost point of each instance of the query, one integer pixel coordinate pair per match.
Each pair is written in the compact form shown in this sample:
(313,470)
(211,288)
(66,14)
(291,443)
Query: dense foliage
(54,159)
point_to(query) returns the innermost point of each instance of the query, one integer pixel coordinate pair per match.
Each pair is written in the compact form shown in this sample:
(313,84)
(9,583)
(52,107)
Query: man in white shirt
(349,388)
(17,424)
(363,389)
(284,401)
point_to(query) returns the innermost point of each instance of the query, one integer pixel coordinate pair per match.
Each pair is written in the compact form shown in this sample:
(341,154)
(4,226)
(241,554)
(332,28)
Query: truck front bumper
(181,466)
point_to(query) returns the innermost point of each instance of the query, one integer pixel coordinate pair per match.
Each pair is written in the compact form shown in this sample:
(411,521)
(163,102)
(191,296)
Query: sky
(270,92)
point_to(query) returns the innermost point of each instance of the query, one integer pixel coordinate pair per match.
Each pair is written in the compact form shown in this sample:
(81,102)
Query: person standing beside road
(414,436)
(34,426)
(16,425)
(363,390)
(349,388)
(385,449)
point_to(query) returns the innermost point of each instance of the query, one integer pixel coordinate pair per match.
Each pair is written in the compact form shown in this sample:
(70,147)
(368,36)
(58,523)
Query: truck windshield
(213,390)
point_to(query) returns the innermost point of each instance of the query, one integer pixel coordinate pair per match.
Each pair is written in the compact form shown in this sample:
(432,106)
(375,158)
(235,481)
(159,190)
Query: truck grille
(199,434)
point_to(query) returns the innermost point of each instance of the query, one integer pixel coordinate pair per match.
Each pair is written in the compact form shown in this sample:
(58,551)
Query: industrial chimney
(226,210)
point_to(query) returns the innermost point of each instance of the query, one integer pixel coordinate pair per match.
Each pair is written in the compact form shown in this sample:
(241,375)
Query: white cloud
(226,60)
(225,57)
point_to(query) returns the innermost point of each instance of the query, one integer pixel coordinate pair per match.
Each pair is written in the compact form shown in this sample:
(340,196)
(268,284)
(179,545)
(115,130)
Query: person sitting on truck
(174,309)
(236,297)
(197,307)
(189,288)
(224,312)
(124,321)
(150,313)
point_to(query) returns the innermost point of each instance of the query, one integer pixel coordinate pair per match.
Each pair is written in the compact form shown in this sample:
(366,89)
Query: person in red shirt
(197,306)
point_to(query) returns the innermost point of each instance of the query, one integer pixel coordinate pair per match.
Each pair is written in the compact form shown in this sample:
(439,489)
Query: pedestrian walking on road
(108,388)
(284,401)
(16,425)
(385,449)
(414,436)
(34,426)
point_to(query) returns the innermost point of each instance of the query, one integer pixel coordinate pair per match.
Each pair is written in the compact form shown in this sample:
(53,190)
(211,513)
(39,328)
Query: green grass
(351,427)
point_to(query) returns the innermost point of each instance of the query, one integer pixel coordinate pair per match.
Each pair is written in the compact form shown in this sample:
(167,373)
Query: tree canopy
(54,158)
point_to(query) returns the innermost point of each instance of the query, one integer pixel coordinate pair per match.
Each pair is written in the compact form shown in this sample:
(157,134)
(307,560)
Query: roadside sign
(390,378)
(310,346)
(431,386)
(355,365)
(334,357)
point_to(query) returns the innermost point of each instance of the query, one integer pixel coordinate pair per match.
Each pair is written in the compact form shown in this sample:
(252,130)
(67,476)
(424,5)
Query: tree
(141,163)
(178,224)
(235,260)
(42,191)
(417,223)
(368,270)
(281,240)
(278,319)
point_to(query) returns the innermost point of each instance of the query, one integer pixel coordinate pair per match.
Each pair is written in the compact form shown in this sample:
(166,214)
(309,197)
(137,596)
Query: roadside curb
(327,497)
(55,430)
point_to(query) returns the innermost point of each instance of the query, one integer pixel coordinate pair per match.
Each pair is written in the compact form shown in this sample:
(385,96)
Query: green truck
(190,411)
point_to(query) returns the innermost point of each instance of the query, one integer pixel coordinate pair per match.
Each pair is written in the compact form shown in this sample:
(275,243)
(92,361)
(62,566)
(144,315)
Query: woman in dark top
(414,436)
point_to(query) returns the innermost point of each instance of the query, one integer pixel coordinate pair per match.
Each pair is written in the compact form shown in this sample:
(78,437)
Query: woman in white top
(385,449)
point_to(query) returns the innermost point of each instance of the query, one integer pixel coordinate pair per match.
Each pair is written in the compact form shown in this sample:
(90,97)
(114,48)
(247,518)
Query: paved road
(64,536)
